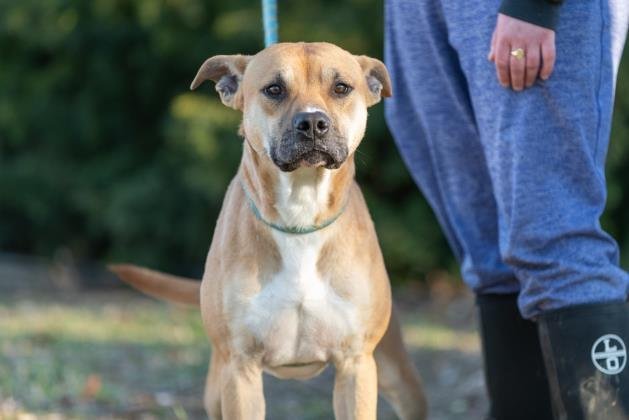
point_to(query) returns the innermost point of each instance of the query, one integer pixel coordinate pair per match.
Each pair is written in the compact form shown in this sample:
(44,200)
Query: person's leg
(545,149)
(585,350)
(514,366)
(432,121)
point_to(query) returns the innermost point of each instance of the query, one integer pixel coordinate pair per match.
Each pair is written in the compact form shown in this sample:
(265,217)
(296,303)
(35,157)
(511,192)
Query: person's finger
(501,59)
(548,59)
(492,47)
(532,64)
(517,69)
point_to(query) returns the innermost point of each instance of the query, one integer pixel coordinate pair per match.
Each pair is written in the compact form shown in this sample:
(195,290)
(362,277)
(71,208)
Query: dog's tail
(160,285)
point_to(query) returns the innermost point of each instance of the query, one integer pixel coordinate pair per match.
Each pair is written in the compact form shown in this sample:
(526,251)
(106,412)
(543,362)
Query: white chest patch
(301,195)
(297,316)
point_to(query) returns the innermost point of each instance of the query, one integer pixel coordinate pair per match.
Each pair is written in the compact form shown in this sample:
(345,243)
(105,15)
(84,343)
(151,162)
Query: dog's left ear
(377,76)
(226,71)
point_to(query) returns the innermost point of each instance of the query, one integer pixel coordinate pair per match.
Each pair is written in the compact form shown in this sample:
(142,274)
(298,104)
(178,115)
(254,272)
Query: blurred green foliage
(103,150)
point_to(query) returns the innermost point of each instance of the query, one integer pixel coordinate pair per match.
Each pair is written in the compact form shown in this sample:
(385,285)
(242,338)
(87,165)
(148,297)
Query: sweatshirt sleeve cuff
(538,12)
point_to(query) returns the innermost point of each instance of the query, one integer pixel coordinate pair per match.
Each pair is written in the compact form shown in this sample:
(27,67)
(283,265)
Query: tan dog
(294,279)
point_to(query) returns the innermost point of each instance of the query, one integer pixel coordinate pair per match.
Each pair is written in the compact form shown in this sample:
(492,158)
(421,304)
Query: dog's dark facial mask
(303,104)
(310,139)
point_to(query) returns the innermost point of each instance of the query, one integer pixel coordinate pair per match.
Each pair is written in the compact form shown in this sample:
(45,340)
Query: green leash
(293,230)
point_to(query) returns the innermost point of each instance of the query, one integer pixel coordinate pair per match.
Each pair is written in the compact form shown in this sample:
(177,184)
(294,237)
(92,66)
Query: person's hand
(537,43)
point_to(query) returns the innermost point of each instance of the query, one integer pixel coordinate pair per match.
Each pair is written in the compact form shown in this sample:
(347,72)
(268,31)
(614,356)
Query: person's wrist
(544,13)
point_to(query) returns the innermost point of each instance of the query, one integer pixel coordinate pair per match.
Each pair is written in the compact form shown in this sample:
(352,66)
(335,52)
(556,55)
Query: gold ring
(518,53)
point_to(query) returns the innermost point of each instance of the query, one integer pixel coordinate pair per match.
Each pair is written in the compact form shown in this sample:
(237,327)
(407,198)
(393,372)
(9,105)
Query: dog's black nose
(311,124)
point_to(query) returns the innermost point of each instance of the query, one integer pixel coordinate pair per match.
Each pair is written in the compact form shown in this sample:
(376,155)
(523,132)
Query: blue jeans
(516,180)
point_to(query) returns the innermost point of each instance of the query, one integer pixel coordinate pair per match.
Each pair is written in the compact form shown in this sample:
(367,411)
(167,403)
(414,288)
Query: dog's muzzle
(311,141)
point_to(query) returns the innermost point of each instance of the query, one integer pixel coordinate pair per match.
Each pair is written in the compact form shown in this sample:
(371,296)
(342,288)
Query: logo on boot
(609,354)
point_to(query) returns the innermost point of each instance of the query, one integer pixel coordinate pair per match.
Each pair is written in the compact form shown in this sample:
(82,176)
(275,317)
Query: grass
(119,355)
(93,357)
(434,335)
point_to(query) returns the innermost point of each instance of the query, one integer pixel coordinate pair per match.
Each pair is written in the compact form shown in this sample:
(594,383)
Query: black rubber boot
(585,352)
(514,368)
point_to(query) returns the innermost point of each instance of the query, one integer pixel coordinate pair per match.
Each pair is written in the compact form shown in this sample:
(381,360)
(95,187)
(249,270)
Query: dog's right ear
(226,71)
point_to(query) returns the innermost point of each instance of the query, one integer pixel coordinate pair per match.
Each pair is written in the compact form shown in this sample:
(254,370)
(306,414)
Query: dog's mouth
(310,159)
(292,153)
(315,158)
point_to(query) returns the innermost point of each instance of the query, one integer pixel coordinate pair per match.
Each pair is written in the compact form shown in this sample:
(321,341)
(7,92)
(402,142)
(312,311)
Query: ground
(119,355)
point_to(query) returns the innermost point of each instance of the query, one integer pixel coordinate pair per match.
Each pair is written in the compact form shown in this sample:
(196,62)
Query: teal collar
(294,230)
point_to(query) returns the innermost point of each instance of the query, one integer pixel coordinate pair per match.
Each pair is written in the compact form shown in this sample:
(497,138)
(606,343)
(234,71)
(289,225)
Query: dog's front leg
(242,397)
(356,389)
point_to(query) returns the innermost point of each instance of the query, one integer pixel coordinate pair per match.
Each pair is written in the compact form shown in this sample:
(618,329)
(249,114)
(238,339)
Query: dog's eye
(342,89)
(273,91)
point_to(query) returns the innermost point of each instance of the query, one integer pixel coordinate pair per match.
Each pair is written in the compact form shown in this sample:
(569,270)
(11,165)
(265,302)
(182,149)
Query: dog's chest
(298,317)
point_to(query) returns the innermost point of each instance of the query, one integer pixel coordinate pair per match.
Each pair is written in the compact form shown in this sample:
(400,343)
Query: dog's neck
(301,198)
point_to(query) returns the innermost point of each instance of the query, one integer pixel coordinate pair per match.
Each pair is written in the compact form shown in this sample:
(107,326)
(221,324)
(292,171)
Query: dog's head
(303,104)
